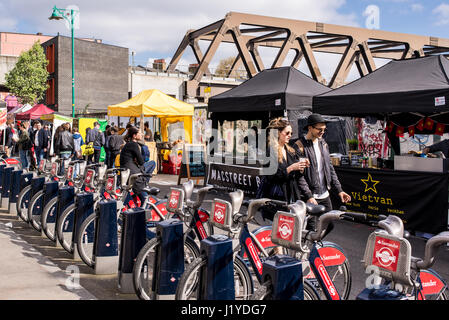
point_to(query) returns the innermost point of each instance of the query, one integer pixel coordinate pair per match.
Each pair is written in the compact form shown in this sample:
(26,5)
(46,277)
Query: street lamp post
(59,14)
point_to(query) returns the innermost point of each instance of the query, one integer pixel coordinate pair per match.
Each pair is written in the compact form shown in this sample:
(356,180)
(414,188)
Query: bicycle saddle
(152,190)
(188,189)
(393,225)
(236,200)
(315,209)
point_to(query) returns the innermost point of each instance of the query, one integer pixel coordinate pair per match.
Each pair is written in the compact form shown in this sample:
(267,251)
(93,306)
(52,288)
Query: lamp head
(55,15)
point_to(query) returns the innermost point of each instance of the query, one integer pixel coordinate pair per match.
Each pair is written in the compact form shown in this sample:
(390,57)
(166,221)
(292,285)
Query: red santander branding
(386,253)
(174,199)
(53,169)
(219,212)
(89,175)
(326,279)
(254,254)
(331,256)
(431,285)
(285,227)
(110,185)
(12,161)
(201,230)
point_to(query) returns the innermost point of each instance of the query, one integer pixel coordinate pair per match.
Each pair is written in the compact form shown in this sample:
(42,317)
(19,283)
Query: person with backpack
(115,143)
(65,144)
(97,138)
(24,144)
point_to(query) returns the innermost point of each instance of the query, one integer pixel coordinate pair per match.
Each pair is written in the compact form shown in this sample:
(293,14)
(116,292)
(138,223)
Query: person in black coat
(320,177)
(131,158)
(40,140)
(282,185)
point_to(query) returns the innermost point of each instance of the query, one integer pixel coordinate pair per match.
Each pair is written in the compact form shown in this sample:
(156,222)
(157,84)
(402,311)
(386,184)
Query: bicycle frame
(251,245)
(319,269)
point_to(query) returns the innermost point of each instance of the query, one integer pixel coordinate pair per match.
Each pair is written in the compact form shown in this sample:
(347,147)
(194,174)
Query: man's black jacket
(309,183)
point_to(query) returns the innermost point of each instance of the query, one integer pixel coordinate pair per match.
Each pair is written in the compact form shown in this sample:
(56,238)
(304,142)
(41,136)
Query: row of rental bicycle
(203,243)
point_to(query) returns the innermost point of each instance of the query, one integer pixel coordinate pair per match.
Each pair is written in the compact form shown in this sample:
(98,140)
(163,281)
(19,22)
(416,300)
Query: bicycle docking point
(14,192)
(217,278)
(84,203)
(170,258)
(133,239)
(105,241)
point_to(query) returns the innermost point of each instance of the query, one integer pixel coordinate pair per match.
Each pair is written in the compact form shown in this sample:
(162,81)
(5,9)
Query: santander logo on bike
(174,198)
(285,227)
(219,212)
(386,253)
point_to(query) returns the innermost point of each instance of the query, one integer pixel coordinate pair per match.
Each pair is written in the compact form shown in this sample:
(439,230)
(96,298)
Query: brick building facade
(101,75)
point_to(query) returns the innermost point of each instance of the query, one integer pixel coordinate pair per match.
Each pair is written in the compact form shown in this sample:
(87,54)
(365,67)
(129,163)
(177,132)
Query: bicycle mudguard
(432,284)
(162,207)
(263,235)
(331,253)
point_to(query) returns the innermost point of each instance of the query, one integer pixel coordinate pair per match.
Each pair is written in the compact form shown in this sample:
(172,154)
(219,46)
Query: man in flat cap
(320,177)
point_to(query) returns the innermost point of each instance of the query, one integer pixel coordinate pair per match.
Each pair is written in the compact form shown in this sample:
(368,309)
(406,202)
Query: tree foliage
(28,79)
(225,66)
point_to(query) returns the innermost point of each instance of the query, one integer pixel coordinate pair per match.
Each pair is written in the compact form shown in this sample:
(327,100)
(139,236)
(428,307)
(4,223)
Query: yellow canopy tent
(154,103)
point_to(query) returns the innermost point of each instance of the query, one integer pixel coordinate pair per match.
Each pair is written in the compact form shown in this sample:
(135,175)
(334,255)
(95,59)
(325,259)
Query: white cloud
(417,7)
(159,26)
(442,14)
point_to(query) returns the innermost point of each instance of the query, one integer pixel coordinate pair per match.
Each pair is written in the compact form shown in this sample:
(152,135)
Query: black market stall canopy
(405,91)
(272,92)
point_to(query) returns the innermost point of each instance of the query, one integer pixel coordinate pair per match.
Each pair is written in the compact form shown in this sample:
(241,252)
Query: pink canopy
(34,113)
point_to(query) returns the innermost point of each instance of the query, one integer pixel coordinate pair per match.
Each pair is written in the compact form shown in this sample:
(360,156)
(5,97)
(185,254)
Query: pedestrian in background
(77,143)
(40,140)
(282,185)
(65,144)
(24,145)
(9,138)
(115,143)
(97,138)
(320,177)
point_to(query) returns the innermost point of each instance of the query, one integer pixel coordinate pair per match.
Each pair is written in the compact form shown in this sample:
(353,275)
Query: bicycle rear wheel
(143,272)
(64,228)
(188,286)
(22,203)
(48,219)
(265,291)
(35,210)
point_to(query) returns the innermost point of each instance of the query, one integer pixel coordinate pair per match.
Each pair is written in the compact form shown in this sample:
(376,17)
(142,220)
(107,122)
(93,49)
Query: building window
(50,94)
(51,58)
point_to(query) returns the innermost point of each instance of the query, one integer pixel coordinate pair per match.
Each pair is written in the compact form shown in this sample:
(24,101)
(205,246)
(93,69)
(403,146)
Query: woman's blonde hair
(279,124)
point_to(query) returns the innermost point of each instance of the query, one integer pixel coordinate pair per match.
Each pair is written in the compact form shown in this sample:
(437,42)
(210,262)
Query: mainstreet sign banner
(244,178)
(420,199)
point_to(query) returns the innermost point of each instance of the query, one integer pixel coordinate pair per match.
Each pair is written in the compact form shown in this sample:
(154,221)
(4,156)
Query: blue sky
(154,28)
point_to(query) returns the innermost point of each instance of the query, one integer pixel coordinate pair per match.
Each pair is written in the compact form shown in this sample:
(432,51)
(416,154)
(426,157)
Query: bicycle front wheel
(85,240)
(35,210)
(265,291)
(143,272)
(338,268)
(188,286)
(64,228)
(48,219)
(22,203)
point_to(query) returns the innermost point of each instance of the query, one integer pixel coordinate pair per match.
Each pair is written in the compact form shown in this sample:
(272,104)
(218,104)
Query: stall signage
(244,178)
(401,193)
